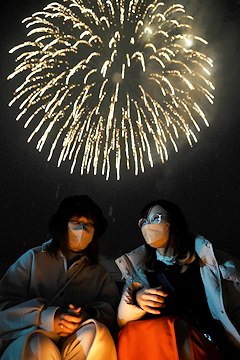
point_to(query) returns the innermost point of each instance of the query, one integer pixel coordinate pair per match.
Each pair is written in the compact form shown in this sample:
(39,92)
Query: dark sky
(203,180)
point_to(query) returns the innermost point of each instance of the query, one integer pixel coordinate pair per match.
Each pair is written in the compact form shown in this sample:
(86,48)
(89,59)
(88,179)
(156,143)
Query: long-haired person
(182,298)
(57,301)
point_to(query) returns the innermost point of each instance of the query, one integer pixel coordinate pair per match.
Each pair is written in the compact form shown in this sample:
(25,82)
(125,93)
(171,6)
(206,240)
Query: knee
(181,327)
(182,338)
(40,346)
(94,333)
(87,333)
(39,340)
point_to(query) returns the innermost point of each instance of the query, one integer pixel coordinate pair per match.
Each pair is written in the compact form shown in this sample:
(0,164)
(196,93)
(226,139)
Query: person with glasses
(182,298)
(57,301)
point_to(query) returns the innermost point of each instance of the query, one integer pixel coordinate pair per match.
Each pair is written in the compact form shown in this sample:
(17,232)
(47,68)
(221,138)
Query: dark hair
(77,205)
(183,240)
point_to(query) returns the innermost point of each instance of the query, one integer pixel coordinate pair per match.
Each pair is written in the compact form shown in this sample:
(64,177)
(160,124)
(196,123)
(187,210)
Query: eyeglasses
(74,224)
(153,219)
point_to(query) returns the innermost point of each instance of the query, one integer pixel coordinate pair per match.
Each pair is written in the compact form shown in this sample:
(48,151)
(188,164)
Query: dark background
(203,180)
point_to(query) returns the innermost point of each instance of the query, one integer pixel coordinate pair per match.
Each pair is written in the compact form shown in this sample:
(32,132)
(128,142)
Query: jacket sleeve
(127,311)
(231,290)
(230,275)
(104,307)
(17,310)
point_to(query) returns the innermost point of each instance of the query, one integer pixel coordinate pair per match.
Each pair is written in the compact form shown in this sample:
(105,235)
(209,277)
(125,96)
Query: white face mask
(156,235)
(79,235)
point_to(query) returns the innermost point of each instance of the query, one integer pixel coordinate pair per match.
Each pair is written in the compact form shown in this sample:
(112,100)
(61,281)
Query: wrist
(90,313)
(134,297)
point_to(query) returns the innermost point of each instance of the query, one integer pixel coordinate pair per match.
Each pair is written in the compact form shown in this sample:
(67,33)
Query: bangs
(84,213)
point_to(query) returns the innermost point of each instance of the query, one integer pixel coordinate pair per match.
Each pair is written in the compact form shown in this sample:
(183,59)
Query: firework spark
(108,78)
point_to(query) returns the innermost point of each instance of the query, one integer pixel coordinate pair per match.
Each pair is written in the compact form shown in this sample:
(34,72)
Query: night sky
(203,180)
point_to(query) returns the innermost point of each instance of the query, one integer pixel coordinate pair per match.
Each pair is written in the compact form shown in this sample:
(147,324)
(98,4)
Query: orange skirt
(156,339)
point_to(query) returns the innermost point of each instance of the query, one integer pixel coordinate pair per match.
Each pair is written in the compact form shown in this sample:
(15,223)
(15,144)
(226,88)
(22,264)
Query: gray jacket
(221,278)
(28,289)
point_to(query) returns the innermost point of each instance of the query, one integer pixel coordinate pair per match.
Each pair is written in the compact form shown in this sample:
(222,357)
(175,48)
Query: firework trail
(111,78)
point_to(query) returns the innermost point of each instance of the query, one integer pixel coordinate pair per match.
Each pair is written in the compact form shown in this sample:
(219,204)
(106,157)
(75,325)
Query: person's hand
(82,314)
(150,299)
(67,321)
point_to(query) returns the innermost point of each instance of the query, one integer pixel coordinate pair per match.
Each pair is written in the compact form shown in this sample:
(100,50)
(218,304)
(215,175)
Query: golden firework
(108,78)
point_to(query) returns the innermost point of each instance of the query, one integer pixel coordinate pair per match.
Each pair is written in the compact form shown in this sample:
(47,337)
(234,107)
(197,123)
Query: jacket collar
(202,246)
(204,250)
(45,245)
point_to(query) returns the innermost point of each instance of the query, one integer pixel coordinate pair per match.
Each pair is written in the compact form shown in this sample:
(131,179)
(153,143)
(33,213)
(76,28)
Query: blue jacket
(221,278)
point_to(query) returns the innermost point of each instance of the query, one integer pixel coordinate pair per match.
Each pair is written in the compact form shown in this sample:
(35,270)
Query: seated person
(57,301)
(181,299)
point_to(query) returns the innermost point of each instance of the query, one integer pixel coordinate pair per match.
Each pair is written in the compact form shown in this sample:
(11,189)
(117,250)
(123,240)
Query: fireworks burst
(111,78)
